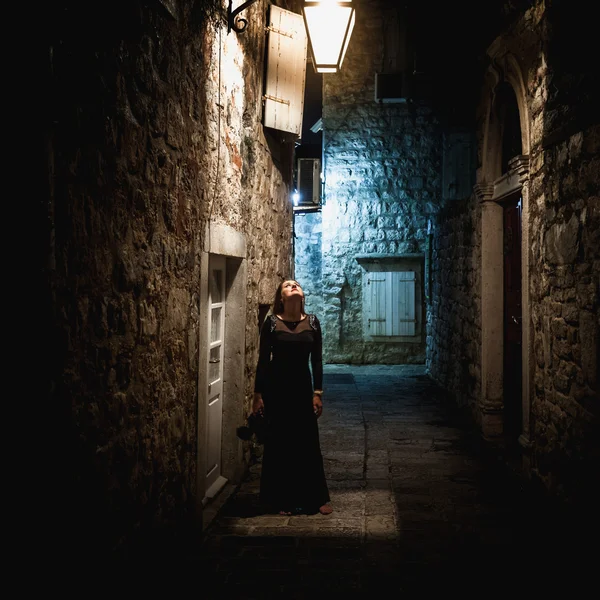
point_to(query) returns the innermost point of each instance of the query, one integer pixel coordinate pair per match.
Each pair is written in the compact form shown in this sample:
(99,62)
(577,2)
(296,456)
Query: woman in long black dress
(293,478)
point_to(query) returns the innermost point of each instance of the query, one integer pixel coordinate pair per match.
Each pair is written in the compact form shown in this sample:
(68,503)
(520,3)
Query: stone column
(492,314)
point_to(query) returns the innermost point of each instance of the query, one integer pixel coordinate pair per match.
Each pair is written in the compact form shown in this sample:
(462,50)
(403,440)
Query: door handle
(218,360)
(516,320)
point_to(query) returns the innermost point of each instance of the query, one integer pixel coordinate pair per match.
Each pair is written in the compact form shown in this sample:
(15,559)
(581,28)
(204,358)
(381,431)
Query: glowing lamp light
(296,198)
(329,24)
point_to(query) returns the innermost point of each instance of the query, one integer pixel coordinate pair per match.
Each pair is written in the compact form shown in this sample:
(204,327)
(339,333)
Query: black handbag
(256,426)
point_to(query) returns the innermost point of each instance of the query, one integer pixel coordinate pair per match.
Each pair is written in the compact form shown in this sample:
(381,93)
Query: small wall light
(296,198)
(329,24)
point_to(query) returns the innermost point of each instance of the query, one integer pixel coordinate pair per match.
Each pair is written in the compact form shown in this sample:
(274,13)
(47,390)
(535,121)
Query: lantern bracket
(238,24)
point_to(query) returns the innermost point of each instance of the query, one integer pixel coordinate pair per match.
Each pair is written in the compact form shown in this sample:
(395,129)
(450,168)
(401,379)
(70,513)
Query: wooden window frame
(373,264)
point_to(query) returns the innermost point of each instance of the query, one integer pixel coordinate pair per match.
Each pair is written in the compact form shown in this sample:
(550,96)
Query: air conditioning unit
(309,181)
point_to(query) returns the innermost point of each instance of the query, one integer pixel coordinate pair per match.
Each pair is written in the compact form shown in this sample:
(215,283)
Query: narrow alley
(430,183)
(419,507)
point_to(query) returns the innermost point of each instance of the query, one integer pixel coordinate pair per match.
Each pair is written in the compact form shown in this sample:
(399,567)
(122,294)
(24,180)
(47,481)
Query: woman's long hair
(278,302)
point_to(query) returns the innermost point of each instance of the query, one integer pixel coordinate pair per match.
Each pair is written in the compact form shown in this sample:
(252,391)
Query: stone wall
(565,296)
(561,433)
(565,256)
(382,178)
(308,257)
(454,323)
(382,182)
(154,130)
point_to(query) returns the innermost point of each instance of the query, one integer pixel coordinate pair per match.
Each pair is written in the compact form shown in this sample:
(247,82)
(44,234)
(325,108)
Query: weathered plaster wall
(154,130)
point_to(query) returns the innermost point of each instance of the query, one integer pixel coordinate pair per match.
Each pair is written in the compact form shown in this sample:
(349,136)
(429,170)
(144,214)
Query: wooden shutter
(401,294)
(286,71)
(376,284)
(391,308)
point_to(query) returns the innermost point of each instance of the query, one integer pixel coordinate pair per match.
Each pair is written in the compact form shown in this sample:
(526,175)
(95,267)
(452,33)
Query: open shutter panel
(402,294)
(286,71)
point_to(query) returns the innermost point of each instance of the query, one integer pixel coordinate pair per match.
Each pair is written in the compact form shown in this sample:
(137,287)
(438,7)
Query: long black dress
(292,478)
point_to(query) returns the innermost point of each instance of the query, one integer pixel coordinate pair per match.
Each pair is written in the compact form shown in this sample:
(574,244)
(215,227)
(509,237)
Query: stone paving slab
(417,507)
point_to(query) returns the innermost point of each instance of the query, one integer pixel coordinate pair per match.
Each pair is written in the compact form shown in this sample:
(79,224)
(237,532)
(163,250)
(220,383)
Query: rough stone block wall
(552,44)
(155,129)
(307,259)
(565,257)
(382,178)
(454,320)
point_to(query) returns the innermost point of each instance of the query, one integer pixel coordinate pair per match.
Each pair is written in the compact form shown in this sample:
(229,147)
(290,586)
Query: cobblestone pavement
(418,508)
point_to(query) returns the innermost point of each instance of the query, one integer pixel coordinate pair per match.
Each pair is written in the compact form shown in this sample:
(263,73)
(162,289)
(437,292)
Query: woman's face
(291,288)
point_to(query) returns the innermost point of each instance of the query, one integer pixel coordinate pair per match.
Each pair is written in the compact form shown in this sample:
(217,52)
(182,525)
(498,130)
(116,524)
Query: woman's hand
(258,406)
(317,405)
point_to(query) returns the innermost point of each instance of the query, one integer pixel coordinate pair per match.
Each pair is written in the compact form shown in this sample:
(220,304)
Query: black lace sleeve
(264,356)
(316,355)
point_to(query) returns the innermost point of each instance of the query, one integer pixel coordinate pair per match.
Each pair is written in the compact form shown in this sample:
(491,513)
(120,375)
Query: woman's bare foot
(325,509)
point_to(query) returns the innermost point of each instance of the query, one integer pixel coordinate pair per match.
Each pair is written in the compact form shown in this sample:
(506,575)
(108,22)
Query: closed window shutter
(401,294)
(377,312)
(392,300)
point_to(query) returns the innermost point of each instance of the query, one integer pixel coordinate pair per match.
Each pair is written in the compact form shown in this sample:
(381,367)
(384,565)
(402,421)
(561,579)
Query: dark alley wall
(397,182)
(454,326)
(154,131)
(551,46)
(565,254)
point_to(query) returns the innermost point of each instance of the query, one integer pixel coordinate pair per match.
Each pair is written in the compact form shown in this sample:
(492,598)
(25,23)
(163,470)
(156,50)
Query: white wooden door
(214,393)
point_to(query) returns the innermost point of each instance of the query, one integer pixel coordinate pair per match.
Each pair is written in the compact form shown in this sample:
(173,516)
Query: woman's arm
(316,359)
(262,368)
(316,356)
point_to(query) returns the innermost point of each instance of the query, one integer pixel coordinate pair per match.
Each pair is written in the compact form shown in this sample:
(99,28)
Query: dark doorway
(513,418)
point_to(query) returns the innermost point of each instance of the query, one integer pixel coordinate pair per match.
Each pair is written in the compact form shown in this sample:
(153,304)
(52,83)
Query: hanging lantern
(329,25)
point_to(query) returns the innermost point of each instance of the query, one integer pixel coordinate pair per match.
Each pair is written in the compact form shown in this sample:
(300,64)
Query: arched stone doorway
(503,191)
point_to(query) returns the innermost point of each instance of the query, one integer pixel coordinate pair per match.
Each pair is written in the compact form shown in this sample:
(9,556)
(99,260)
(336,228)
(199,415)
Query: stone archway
(498,179)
